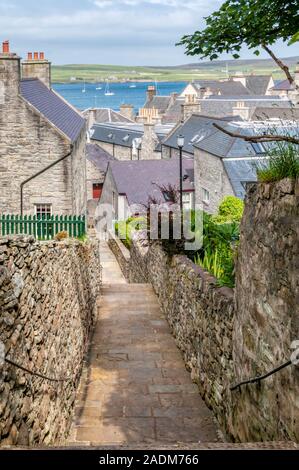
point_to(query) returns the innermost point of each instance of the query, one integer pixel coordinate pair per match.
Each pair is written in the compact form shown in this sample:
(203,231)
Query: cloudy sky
(124,32)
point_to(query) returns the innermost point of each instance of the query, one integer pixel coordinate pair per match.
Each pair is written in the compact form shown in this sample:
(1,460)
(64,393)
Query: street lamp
(180,144)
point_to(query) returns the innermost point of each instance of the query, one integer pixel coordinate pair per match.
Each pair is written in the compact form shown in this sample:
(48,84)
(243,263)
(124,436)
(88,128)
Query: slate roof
(106,115)
(245,98)
(174,112)
(240,159)
(98,156)
(53,107)
(283,85)
(196,128)
(257,84)
(225,88)
(159,102)
(138,179)
(262,113)
(124,134)
(240,173)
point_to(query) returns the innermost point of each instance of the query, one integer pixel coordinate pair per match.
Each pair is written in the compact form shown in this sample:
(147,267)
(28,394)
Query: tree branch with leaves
(254,23)
(255,139)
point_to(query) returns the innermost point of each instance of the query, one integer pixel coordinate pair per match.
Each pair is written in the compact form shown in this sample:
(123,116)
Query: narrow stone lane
(135,388)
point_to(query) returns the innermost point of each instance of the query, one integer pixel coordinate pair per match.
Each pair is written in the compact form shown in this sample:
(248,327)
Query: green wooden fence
(42,228)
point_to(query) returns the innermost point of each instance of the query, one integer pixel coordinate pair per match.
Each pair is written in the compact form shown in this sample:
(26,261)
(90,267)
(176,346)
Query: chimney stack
(151,92)
(5,47)
(127,110)
(242,111)
(9,74)
(149,141)
(36,66)
(191,106)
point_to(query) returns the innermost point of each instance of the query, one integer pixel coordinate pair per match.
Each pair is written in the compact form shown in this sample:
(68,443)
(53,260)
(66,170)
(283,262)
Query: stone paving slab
(135,388)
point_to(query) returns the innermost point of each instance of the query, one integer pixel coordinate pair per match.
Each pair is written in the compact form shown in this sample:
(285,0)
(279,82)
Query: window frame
(206,197)
(46,206)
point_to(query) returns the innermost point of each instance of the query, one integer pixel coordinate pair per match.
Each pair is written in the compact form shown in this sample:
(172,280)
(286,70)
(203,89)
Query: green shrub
(126,228)
(218,252)
(283,163)
(230,210)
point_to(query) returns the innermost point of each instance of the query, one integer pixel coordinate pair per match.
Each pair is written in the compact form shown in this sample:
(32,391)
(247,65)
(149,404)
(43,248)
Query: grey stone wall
(119,152)
(268,317)
(48,301)
(149,143)
(93,175)
(210,174)
(40,69)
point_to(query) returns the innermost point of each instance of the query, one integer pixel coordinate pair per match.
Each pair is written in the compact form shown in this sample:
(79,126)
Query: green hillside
(217,69)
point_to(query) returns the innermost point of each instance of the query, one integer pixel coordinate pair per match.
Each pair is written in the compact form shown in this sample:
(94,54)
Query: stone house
(107,115)
(132,183)
(37,128)
(97,161)
(287,90)
(235,85)
(193,129)
(223,165)
(130,141)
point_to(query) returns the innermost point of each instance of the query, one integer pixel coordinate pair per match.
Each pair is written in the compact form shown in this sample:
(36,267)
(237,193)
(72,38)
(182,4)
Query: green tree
(254,23)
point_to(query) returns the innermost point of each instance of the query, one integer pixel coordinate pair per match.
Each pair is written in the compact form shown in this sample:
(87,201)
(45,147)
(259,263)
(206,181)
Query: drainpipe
(41,172)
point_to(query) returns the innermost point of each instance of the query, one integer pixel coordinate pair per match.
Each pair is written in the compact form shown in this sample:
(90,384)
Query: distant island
(216,69)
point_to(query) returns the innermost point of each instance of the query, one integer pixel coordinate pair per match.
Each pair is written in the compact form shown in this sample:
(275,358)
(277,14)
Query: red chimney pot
(5,47)
(36,56)
(29,55)
(41,56)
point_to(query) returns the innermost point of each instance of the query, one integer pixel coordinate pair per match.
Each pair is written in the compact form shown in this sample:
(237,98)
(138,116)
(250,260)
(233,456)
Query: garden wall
(267,320)
(48,299)
(227,336)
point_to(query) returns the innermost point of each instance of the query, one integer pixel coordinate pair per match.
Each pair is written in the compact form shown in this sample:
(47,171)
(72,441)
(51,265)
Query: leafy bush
(230,210)
(125,229)
(218,252)
(283,163)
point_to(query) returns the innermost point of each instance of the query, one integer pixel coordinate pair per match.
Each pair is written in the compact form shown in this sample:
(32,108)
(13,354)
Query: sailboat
(84,88)
(98,87)
(107,91)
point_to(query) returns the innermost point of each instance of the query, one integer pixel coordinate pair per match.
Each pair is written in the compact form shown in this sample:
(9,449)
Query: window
(205,196)
(187,201)
(258,147)
(97,190)
(43,211)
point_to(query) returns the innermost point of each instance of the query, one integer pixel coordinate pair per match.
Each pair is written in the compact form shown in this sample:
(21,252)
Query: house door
(97,189)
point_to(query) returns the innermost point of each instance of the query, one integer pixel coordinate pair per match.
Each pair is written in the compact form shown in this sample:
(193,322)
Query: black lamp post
(180,144)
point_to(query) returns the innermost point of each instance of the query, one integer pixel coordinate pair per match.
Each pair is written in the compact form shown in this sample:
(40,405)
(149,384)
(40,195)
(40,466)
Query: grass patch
(283,163)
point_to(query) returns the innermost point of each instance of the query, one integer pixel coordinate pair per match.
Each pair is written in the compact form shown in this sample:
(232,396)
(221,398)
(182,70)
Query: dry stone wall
(48,300)
(267,299)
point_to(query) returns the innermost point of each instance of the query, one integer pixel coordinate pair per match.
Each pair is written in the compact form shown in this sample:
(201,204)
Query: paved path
(135,388)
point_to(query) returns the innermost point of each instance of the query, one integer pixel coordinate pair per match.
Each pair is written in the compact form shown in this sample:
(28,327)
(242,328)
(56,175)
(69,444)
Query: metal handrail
(261,377)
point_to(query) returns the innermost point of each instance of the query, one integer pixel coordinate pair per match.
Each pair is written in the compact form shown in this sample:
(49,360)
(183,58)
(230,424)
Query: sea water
(123,93)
